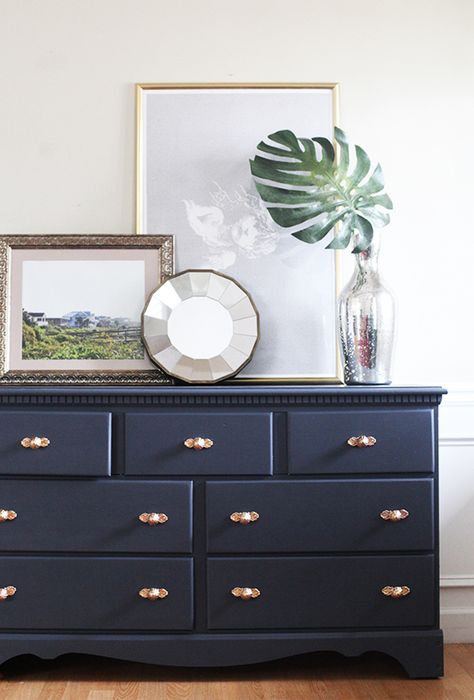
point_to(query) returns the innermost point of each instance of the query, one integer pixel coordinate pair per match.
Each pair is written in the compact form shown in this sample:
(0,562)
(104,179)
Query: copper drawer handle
(361,441)
(198,443)
(153,518)
(394,515)
(7,515)
(153,593)
(245,593)
(7,592)
(35,442)
(245,517)
(396,591)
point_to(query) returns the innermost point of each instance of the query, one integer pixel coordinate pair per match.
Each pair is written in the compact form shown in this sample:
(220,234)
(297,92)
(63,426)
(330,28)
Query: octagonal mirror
(200,326)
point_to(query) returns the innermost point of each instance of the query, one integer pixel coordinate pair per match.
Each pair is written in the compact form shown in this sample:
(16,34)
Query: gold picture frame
(50,269)
(334,375)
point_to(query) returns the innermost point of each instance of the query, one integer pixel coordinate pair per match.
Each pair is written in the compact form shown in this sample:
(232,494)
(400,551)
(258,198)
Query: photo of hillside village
(80,335)
(82,309)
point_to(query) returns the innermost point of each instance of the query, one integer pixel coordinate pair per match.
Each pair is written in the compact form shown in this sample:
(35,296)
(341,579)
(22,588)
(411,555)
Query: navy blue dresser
(220,526)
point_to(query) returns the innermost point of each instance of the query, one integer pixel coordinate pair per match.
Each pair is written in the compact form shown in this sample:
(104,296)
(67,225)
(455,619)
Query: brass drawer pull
(394,515)
(153,593)
(7,592)
(153,518)
(7,515)
(395,591)
(245,593)
(34,443)
(361,441)
(245,517)
(198,443)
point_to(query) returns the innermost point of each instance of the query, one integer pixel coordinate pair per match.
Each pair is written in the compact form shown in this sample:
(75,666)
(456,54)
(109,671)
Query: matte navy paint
(319,552)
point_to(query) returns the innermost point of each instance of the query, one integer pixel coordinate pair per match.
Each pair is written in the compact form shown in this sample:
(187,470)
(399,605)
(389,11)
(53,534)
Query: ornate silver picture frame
(70,307)
(194,143)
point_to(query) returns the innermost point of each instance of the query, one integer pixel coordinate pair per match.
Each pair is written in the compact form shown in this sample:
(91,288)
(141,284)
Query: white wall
(67,71)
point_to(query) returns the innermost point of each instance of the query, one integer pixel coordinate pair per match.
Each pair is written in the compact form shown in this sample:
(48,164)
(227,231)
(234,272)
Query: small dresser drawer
(96,594)
(317,441)
(320,516)
(70,444)
(96,516)
(231,443)
(321,592)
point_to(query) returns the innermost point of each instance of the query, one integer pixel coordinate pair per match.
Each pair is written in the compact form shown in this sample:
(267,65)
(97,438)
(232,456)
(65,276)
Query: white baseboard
(457,609)
(458,625)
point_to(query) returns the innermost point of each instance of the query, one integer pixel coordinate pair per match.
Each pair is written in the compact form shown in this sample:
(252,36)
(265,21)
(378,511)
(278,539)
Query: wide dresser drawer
(95,516)
(232,443)
(320,515)
(321,592)
(91,593)
(55,443)
(391,440)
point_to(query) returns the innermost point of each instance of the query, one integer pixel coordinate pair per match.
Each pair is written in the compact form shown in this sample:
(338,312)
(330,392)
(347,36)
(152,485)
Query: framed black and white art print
(194,143)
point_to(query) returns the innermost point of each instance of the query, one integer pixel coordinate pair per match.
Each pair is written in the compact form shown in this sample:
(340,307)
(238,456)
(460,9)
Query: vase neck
(368,260)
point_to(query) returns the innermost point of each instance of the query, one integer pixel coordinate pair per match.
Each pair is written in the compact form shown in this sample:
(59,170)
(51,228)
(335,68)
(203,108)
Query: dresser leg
(423,668)
(423,659)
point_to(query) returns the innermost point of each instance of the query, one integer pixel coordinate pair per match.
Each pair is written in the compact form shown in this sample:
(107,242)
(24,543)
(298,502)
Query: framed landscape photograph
(70,311)
(194,143)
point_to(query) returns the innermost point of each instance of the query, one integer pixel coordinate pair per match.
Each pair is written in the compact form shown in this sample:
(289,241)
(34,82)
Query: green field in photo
(58,343)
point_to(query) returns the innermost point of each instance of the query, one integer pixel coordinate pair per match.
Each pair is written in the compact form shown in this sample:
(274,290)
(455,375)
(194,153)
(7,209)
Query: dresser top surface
(225,390)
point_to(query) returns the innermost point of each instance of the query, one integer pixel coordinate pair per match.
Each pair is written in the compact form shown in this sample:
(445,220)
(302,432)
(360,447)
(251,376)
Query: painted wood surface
(80,443)
(320,516)
(326,601)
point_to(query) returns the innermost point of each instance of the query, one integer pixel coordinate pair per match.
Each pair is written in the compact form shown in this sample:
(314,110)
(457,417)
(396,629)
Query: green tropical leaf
(341,139)
(328,148)
(310,151)
(377,217)
(366,232)
(382,200)
(298,215)
(361,169)
(375,183)
(270,170)
(343,236)
(316,232)
(274,150)
(316,192)
(286,138)
(291,217)
(274,194)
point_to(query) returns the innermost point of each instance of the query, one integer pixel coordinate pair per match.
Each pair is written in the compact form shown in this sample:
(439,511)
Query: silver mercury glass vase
(367,321)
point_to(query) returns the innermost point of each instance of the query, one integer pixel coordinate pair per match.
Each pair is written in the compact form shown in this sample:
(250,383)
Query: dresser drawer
(90,593)
(317,441)
(154,443)
(95,516)
(324,516)
(79,443)
(321,592)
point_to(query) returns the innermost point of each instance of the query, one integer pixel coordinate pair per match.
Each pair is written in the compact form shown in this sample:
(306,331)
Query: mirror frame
(201,381)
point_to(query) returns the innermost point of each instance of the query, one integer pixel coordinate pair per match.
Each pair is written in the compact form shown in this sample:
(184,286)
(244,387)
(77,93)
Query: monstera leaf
(322,192)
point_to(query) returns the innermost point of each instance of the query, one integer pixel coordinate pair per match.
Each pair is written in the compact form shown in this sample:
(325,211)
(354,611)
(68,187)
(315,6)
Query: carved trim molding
(466,581)
(167,397)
